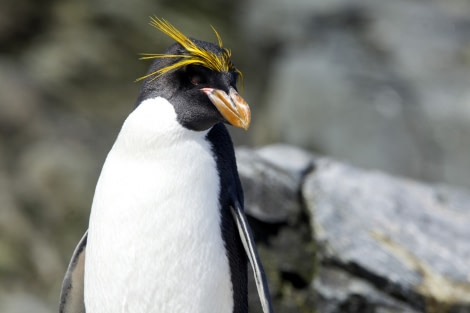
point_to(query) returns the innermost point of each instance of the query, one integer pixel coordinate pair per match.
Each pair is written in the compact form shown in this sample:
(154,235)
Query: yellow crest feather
(193,55)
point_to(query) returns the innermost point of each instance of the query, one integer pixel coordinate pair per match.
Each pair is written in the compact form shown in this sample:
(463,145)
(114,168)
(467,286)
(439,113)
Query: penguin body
(155,225)
(167,231)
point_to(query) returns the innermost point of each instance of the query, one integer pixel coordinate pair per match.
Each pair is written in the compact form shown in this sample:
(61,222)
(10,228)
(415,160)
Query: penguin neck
(153,126)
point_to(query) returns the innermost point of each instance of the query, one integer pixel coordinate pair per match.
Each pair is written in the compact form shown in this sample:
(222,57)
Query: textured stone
(19,100)
(271,177)
(381,84)
(291,159)
(19,302)
(271,194)
(407,239)
(348,78)
(339,291)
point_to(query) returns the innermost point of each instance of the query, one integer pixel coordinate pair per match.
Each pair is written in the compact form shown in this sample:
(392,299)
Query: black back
(230,192)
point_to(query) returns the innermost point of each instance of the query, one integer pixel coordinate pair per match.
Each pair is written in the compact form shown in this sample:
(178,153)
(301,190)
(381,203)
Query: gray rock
(339,291)
(271,193)
(288,158)
(53,176)
(370,242)
(407,239)
(19,100)
(19,302)
(382,84)
(271,179)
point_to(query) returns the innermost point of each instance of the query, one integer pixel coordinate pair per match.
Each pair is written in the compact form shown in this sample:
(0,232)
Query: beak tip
(245,126)
(232,106)
(244,120)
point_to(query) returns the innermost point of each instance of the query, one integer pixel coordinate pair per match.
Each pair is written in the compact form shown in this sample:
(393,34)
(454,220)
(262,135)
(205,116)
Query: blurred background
(380,84)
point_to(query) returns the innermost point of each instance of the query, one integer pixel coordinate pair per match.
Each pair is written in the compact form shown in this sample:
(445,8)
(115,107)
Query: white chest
(154,242)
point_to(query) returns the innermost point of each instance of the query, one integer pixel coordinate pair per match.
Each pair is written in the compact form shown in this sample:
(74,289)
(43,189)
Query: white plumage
(154,241)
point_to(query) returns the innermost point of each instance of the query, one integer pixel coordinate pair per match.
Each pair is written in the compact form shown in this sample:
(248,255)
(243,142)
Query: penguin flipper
(71,296)
(252,253)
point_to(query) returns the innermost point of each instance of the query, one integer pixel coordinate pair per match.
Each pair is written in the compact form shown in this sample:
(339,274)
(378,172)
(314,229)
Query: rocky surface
(280,223)
(351,240)
(380,84)
(406,239)
(333,238)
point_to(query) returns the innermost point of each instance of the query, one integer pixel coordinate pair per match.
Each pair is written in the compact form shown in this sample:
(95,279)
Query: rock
(271,192)
(294,161)
(14,229)
(54,179)
(406,239)
(339,291)
(271,179)
(381,84)
(19,302)
(20,23)
(19,100)
(348,78)
(358,240)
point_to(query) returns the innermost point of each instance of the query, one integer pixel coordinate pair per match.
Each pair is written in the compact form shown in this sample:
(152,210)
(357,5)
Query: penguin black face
(199,80)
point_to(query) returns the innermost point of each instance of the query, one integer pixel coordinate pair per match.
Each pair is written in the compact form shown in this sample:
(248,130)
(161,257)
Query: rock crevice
(342,239)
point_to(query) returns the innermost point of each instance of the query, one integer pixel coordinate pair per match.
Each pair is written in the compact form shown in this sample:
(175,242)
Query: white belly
(154,241)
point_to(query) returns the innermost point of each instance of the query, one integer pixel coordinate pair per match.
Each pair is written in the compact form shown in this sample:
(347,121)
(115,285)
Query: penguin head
(199,79)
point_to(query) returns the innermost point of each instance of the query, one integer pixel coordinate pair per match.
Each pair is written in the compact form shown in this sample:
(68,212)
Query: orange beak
(232,106)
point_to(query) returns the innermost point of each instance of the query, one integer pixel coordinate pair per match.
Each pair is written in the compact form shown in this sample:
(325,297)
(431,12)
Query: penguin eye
(196,79)
(195,75)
